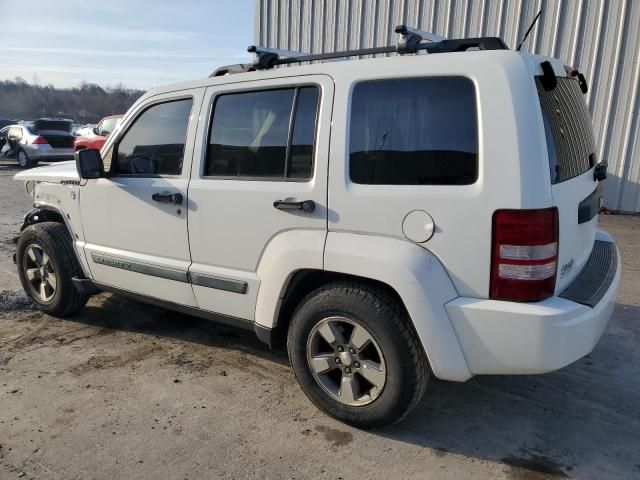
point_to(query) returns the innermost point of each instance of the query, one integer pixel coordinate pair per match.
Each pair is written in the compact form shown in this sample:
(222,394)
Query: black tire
(54,240)
(406,365)
(24,161)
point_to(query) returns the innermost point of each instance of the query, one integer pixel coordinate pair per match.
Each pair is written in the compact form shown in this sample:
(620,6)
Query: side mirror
(89,163)
(96,131)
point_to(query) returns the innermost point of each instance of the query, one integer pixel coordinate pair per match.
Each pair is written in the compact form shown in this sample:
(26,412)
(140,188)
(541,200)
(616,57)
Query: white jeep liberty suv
(431,213)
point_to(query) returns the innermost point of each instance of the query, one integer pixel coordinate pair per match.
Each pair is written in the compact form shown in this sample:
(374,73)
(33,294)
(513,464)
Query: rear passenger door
(262,171)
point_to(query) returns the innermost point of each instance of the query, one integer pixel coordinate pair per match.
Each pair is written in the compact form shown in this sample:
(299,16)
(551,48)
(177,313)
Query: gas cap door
(418,226)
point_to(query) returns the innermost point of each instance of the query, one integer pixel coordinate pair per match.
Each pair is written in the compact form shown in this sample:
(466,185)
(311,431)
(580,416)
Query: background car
(5,122)
(99,134)
(85,130)
(47,139)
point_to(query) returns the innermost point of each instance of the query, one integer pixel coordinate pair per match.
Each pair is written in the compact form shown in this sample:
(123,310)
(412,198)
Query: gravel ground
(126,390)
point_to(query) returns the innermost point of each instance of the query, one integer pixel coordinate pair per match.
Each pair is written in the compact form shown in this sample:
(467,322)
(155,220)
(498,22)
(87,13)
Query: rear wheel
(23,159)
(356,355)
(46,264)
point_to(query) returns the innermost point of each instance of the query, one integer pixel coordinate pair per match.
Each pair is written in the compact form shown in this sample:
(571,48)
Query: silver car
(46,139)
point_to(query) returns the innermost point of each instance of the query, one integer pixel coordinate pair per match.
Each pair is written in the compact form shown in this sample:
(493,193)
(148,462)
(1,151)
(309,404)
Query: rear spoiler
(550,82)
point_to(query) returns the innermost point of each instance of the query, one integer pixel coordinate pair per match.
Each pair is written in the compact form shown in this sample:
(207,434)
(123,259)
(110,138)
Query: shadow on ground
(581,421)
(119,313)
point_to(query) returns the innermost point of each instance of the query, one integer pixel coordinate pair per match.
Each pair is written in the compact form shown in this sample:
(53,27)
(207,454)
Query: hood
(51,173)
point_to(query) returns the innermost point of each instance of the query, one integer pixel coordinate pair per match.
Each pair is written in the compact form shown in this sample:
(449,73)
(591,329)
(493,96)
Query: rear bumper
(519,338)
(47,153)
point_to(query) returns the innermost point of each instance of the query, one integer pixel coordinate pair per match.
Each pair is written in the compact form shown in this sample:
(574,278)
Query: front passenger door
(135,221)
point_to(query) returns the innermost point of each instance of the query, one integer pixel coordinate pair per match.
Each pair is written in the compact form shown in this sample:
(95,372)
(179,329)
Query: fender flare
(44,212)
(421,282)
(284,255)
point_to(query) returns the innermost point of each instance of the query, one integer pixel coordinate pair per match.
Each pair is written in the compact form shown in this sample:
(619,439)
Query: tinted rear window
(416,131)
(570,141)
(58,125)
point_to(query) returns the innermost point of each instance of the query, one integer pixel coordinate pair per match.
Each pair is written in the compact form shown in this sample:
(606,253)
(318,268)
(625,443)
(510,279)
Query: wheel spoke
(353,370)
(46,261)
(348,389)
(331,334)
(43,290)
(52,282)
(32,274)
(38,255)
(322,363)
(372,373)
(359,338)
(34,256)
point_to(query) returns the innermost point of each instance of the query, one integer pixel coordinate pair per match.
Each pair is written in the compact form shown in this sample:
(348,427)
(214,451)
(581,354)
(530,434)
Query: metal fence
(599,37)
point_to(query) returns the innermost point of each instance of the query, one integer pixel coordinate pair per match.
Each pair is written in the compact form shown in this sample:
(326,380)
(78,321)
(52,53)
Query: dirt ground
(126,390)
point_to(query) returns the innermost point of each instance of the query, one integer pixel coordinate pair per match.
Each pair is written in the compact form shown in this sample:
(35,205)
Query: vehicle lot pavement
(126,390)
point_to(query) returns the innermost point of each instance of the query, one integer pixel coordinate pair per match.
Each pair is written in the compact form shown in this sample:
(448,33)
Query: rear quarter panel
(513,168)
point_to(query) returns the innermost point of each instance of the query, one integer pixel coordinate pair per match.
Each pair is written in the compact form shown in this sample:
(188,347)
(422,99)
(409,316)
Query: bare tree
(86,103)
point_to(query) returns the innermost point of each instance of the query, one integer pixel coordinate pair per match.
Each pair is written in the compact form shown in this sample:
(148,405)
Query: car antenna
(529,30)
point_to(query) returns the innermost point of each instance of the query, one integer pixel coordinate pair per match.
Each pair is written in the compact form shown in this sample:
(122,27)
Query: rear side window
(570,141)
(263,134)
(416,131)
(154,144)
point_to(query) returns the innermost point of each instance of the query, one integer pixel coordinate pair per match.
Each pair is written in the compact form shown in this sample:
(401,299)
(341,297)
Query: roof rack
(410,41)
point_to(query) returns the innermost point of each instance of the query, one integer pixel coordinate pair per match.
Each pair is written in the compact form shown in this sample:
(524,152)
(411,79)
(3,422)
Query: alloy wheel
(22,158)
(39,272)
(346,361)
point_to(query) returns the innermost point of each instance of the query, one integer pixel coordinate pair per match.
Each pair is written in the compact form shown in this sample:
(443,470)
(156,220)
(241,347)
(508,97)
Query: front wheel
(356,355)
(46,265)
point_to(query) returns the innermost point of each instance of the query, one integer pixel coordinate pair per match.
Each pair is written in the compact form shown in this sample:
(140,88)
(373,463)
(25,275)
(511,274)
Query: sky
(139,43)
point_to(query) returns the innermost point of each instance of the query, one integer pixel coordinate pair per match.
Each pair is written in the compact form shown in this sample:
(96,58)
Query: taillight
(524,256)
(40,141)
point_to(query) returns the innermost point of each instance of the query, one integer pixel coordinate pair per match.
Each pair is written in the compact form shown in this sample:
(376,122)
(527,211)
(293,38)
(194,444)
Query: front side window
(267,134)
(415,131)
(154,144)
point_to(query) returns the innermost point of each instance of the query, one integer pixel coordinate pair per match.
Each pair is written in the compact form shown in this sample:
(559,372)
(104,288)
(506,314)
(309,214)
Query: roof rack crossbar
(410,38)
(264,57)
(410,41)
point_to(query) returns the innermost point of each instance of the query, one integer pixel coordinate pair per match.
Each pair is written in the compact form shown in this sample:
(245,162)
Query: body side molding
(218,283)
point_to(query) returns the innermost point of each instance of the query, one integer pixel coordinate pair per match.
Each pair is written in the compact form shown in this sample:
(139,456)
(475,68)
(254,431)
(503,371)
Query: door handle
(306,206)
(167,198)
